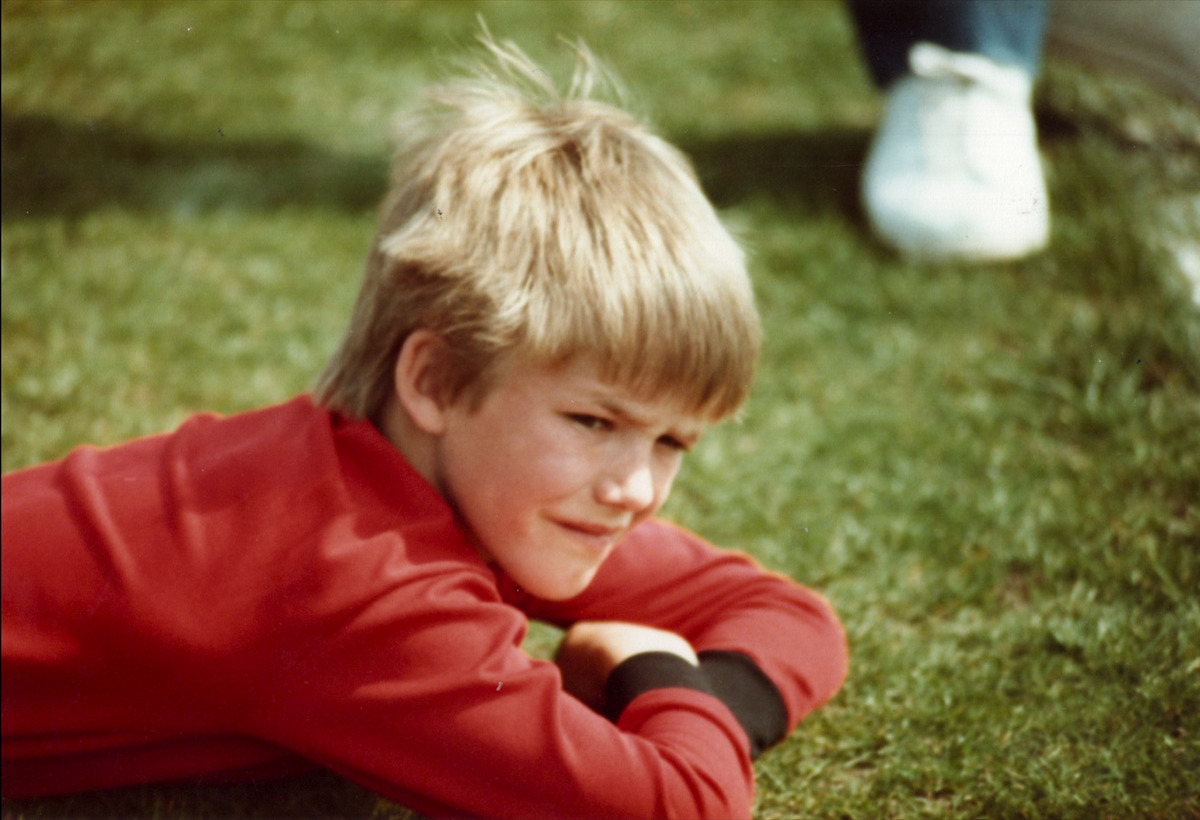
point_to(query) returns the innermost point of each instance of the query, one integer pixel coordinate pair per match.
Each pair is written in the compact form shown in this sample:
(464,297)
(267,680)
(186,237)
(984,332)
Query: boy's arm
(450,718)
(591,650)
(769,648)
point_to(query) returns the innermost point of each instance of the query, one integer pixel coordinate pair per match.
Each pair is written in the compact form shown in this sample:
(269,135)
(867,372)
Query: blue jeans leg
(1006,31)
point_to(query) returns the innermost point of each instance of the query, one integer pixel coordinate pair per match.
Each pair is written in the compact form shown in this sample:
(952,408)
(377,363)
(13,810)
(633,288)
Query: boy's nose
(631,488)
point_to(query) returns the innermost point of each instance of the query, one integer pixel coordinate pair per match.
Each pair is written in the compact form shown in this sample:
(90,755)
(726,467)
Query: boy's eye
(674,443)
(589,421)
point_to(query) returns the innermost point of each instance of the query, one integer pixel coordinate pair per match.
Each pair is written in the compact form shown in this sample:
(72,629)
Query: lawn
(993,473)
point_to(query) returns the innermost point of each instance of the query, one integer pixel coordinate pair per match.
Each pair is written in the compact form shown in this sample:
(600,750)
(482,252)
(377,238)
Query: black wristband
(731,677)
(649,670)
(753,698)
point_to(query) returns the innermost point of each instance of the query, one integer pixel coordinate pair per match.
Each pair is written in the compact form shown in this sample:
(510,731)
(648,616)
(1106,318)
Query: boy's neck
(417,446)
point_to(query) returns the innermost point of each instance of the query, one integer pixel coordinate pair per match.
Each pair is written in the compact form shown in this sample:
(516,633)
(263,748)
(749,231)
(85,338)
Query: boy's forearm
(592,650)
(609,664)
(769,647)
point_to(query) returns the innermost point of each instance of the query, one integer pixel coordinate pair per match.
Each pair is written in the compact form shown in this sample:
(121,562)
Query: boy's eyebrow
(621,412)
(628,416)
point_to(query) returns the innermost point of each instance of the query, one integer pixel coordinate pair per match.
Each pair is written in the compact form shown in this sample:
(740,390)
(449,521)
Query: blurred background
(993,472)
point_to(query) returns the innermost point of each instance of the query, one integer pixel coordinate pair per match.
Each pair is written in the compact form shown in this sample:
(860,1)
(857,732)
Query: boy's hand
(592,649)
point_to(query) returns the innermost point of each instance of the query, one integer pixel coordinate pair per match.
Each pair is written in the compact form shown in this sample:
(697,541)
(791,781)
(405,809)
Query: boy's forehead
(583,380)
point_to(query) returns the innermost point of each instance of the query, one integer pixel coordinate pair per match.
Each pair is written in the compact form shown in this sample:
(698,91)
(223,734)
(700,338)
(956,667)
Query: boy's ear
(418,380)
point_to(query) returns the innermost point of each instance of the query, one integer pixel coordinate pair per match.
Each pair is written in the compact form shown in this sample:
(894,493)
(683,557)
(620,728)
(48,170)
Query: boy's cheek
(665,492)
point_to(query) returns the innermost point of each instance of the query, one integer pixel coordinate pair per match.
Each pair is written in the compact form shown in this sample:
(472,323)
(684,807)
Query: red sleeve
(664,576)
(450,717)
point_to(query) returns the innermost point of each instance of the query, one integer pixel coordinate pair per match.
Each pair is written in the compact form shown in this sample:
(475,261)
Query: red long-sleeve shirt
(282,586)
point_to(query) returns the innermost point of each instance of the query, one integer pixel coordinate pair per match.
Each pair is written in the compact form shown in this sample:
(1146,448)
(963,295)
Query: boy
(551,315)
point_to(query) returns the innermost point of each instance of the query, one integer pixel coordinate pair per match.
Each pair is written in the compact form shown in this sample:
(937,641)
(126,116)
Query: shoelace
(934,62)
(945,105)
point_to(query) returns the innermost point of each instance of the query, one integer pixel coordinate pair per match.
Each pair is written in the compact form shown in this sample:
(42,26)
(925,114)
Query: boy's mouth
(600,536)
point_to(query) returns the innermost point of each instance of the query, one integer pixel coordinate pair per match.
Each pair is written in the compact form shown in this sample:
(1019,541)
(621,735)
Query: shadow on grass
(812,172)
(52,166)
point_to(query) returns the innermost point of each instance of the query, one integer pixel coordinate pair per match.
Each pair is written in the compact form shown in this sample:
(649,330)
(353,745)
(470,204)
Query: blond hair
(522,221)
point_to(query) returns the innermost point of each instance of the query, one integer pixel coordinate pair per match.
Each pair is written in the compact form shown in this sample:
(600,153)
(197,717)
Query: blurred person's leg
(953,171)
(1005,31)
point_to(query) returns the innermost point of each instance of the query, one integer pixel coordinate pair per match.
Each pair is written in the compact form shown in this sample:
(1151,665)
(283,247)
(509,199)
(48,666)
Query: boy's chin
(561,588)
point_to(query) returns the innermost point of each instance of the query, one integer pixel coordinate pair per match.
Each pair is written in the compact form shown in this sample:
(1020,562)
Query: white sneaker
(953,172)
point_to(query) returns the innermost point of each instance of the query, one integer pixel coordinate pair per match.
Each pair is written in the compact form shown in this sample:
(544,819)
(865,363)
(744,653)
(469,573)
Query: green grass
(993,473)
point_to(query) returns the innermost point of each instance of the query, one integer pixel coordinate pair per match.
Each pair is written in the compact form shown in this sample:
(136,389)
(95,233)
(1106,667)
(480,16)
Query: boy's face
(555,466)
